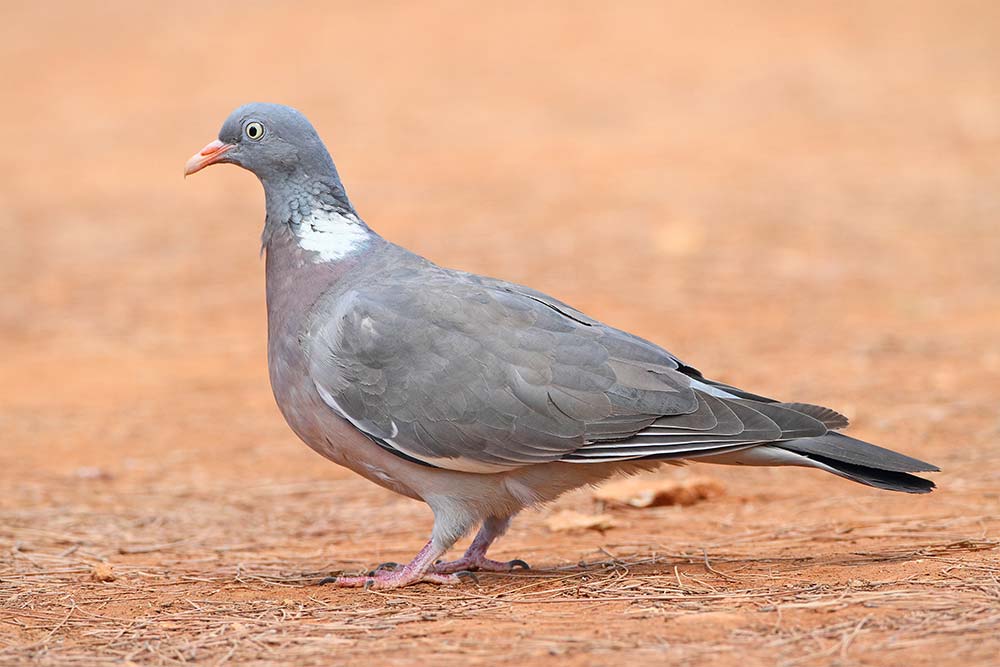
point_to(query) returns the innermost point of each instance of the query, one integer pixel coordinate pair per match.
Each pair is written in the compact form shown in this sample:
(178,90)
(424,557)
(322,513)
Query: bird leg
(417,570)
(475,556)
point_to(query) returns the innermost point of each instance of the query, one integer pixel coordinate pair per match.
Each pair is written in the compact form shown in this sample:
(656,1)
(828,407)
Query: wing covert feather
(460,374)
(473,374)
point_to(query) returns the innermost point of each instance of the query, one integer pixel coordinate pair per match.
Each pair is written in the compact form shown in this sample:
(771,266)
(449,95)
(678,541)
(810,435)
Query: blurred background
(803,200)
(799,198)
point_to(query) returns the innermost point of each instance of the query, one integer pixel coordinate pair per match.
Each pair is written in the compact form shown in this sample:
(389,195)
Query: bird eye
(254,130)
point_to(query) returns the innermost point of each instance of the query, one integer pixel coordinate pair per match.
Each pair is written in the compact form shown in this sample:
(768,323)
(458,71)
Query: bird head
(271,140)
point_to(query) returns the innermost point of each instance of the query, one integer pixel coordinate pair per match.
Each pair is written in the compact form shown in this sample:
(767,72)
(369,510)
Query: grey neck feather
(305,191)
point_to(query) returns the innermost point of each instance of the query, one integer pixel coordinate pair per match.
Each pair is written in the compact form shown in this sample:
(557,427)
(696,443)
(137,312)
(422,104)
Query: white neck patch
(331,234)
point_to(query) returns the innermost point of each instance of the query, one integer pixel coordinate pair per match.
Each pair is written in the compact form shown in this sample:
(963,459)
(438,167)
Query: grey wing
(480,377)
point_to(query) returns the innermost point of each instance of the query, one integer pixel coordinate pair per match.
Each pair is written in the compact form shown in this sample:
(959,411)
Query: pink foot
(479,562)
(388,579)
(390,575)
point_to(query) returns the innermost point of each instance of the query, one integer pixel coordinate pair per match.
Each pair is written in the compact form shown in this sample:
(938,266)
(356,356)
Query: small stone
(92,472)
(102,572)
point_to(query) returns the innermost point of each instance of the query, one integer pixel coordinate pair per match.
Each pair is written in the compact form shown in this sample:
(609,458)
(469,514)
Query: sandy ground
(800,200)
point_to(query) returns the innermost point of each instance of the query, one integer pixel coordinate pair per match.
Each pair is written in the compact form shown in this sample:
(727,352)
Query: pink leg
(419,569)
(475,557)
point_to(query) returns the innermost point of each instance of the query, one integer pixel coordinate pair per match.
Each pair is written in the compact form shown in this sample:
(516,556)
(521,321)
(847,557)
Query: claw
(389,565)
(467,574)
(517,562)
(327,580)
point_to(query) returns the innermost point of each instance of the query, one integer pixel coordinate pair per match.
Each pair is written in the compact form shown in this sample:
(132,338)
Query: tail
(863,462)
(842,455)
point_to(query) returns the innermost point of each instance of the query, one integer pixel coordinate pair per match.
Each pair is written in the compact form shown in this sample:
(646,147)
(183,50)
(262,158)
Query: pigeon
(478,396)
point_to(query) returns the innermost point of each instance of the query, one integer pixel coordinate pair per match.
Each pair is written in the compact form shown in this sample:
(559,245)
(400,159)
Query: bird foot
(479,562)
(385,579)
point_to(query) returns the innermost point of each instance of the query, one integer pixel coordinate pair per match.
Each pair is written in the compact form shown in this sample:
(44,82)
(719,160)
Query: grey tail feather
(840,447)
(830,418)
(864,462)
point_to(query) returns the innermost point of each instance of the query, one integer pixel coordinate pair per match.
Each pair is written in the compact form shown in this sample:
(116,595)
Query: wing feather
(472,374)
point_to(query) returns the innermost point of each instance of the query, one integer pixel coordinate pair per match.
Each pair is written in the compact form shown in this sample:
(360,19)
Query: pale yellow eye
(254,130)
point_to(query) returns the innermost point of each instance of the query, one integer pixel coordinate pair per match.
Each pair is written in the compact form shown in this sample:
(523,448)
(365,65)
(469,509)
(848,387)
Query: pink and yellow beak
(210,154)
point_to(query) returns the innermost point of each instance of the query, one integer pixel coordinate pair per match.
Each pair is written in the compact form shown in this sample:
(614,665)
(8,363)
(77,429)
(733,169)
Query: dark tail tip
(890,480)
